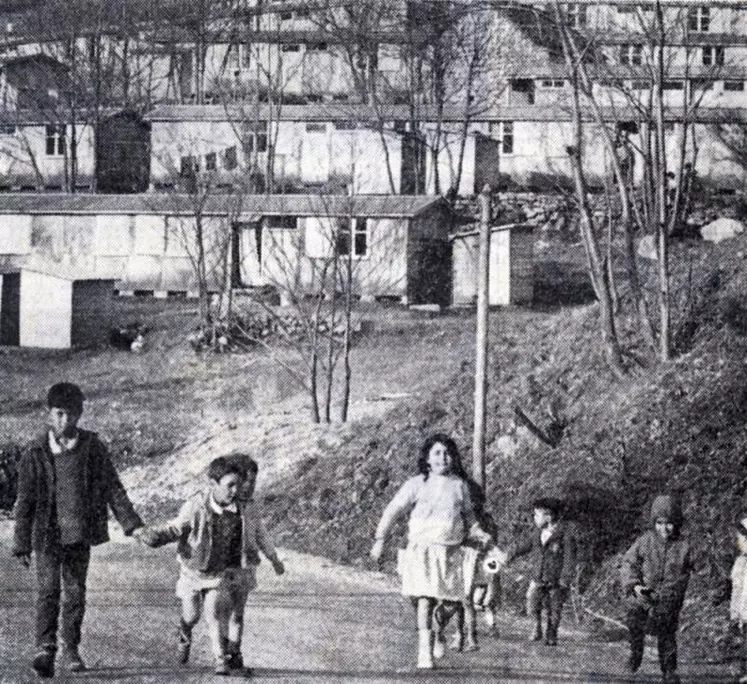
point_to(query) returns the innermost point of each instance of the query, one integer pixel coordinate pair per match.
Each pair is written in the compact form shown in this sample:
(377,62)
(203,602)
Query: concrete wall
(46,311)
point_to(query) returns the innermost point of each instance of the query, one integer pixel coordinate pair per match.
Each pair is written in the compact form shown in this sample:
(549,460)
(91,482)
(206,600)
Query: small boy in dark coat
(66,484)
(655,572)
(553,553)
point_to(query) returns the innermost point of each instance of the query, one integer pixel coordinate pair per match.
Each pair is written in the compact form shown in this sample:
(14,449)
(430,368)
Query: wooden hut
(511,265)
(50,307)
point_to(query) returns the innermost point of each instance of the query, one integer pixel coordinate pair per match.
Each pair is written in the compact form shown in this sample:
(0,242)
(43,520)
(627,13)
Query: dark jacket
(553,563)
(662,566)
(35,516)
(193,530)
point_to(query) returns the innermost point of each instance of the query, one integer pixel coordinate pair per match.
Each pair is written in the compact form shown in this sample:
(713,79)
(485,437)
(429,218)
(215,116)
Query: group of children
(450,561)
(66,486)
(449,568)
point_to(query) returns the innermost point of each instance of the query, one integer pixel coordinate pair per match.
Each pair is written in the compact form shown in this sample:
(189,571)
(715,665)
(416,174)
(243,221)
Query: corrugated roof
(247,207)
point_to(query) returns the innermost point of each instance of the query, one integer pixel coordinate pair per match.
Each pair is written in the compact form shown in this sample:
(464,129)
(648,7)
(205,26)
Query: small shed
(50,307)
(511,265)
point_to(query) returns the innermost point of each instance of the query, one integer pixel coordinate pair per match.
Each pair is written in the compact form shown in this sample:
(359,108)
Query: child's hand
(277,566)
(145,535)
(377,550)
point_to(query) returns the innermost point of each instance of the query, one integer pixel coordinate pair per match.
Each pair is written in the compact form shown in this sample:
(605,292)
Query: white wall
(46,311)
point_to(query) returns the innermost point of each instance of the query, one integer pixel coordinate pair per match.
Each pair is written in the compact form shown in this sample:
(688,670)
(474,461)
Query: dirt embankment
(678,427)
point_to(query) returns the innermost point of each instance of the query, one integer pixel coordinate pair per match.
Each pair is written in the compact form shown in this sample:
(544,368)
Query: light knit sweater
(440,510)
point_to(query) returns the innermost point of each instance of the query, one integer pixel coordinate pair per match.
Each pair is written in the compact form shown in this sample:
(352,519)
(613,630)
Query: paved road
(319,623)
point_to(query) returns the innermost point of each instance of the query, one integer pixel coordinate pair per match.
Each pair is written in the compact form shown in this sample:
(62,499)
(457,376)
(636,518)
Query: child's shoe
(536,632)
(43,663)
(183,647)
(470,643)
(221,666)
(73,660)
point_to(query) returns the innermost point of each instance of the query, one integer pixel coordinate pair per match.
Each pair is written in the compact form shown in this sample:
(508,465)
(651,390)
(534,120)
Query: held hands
(277,566)
(147,536)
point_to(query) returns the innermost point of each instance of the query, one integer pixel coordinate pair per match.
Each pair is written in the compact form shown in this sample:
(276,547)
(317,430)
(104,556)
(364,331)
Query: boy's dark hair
(441,438)
(66,395)
(247,464)
(221,466)
(550,504)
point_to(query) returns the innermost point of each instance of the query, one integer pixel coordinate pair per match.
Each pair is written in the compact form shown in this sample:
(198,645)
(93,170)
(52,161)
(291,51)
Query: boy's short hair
(550,504)
(221,466)
(247,464)
(66,395)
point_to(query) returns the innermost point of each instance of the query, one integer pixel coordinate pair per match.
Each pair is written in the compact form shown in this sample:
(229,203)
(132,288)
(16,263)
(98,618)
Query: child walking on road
(66,486)
(553,550)
(441,518)
(655,572)
(219,537)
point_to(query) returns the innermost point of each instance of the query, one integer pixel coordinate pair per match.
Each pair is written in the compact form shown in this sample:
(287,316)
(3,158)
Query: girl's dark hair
(451,448)
(247,464)
(221,466)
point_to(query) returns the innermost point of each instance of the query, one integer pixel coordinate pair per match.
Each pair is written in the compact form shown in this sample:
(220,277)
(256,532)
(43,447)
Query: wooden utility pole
(481,356)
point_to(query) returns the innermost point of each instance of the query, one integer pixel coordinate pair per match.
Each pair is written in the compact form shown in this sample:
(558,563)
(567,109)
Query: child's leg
(667,647)
(635,619)
(191,603)
(535,595)
(492,601)
(216,619)
(425,606)
(236,627)
(555,600)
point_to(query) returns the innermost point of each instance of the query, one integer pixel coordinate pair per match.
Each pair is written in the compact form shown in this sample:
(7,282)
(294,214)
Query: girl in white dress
(441,519)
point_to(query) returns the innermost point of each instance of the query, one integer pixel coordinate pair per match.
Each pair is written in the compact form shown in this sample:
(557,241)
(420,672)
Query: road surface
(319,623)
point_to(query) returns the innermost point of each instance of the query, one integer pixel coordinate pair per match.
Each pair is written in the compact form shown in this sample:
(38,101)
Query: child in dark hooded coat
(655,572)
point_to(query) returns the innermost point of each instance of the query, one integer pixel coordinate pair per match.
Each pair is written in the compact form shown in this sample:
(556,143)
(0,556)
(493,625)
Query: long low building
(397,245)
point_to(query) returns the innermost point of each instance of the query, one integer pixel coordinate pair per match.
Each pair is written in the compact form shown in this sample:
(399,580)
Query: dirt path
(319,623)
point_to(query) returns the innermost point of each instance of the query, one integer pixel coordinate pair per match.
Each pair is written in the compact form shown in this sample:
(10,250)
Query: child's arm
(521,548)
(568,571)
(631,570)
(267,547)
(403,500)
(171,531)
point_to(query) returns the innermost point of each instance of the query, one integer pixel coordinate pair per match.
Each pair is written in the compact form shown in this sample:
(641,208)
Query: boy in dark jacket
(553,554)
(66,484)
(655,572)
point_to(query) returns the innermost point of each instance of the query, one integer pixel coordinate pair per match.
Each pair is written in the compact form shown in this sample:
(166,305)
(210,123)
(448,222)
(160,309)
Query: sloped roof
(49,268)
(247,207)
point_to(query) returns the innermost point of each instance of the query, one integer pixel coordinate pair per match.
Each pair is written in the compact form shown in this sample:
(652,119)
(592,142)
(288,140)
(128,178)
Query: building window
(553,83)
(316,127)
(673,85)
(211,161)
(359,237)
(230,158)
(713,55)
(255,136)
(345,125)
(699,19)
(734,86)
(702,83)
(290,47)
(576,15)
(640,84)
(316,47)
(286,16)
(281,222)
(507,137)
(303,13)
(631,54)
(55,140)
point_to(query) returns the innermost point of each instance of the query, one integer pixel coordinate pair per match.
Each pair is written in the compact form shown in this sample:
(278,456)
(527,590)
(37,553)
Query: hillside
(680,427)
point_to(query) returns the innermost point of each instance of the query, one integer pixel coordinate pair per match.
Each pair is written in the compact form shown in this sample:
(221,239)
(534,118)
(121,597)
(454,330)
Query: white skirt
(432,570)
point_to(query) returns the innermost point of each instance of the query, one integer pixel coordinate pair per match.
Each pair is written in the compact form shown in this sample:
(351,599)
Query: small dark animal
(123,337)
